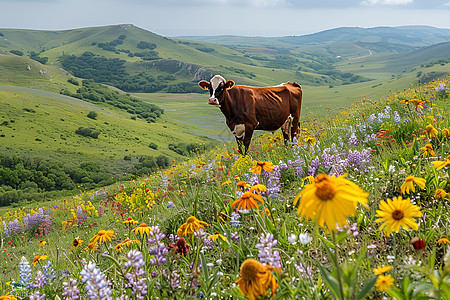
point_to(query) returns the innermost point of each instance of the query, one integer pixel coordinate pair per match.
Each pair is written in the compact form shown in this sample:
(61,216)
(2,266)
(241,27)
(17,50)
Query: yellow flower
(130,221)
(102,236)
(266,212)
(256,278)
(439,194)
(118,247)
(408,185)
(262,165)
(441,164)
(142,228)
(248,200)
(258,188)
(384,282)
(76,242)
(42,243)
(311,180)
(226,182)
(397,213)
(310,140)
(381,270)
(92,246)
(242,185)
(38,258)
(8,297)
(443,241)
(428,150)
(192,225)
(128,242)
(431,131)
(446,132)
(418,103)
(330,200)
(214,237)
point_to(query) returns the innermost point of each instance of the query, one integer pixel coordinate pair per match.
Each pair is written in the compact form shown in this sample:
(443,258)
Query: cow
(249,108)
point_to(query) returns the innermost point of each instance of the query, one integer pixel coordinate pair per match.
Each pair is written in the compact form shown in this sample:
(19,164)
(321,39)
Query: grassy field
(41,123)
(191,237)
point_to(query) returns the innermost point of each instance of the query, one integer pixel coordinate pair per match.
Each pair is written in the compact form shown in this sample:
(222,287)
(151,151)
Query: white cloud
(387,2)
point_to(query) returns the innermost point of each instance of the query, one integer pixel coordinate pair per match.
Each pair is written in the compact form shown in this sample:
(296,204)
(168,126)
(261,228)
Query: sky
(219,17)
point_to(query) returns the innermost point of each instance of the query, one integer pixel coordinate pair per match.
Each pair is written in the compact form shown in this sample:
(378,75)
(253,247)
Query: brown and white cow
(256,108)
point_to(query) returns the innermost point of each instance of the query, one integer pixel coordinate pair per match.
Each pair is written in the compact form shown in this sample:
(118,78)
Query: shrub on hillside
(153,146)
(92,115)
(73,81)
(88,132)
(16,52)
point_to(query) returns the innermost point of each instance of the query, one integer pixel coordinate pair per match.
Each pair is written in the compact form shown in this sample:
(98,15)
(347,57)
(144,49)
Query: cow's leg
(240,143)
(239,132)
(295,127)
(248,136)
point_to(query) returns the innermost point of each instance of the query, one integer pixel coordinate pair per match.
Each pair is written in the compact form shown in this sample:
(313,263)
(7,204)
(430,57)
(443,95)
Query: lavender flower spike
(97,286)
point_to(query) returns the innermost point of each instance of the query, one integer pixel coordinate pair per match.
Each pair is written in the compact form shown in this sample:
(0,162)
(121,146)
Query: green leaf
(364,292)
(330,281)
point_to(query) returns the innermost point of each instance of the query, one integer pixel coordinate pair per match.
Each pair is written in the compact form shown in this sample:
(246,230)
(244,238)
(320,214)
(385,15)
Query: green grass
(49,131)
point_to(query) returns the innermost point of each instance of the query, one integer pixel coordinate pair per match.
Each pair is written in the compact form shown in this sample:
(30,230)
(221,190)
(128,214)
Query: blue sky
(218,17)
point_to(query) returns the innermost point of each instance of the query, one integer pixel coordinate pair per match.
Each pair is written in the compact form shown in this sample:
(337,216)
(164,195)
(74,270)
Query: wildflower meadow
(357,207)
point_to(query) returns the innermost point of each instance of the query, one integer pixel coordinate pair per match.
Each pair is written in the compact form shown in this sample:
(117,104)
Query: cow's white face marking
(216,81)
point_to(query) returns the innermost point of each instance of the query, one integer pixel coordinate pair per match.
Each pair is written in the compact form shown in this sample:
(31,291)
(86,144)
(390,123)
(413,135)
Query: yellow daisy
(446,132)
(247,201)
(397,213)
(440,193)
(38,258)
(8,297)
(102,236)
(214,237)
(76,242)
(92,246)
(142,229)
(256,279)
(443,241)
(262,165)
(42,243)
(192,225)
(441,164)
(130,221)
(427,150)
(408,185)
(431,131)
(330,200)
(258,188)
(384,282)
(381,270)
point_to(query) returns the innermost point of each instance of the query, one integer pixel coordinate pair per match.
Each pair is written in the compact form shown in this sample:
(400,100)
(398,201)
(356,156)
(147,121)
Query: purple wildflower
(267,255)
(156,247)
(71,290)
(135,276)
(97,285)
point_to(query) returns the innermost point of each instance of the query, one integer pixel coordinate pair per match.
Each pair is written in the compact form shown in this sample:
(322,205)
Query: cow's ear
(229,84)
(204,84)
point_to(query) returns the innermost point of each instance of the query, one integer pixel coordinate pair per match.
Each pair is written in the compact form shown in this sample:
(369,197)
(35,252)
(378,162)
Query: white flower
(292,239)
(305,238)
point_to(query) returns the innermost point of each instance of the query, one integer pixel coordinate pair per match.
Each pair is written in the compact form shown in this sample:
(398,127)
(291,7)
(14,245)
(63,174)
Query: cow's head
(216,86)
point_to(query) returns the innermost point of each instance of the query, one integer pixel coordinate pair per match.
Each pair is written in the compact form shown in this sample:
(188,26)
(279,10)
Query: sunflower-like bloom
(381,270)
(91,246)
(256,278)
(446,133)
(443,241)
(262,165)
(192,225)
(427,150)
(102,236)
(76,242)
(142,229)
(126,242)
(258,188)
(431,131)
(440,193)
(418,103)
(310,140)
(408,185)
(38,258)
(248,200)
(8,297)
(130,221)
(42,243)
(214,237)
(384,282)
(397,213)
(441,164)
(330,200)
